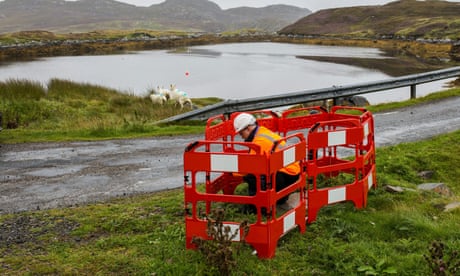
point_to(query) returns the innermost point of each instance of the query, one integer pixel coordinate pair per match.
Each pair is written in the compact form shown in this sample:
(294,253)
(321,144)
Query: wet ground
(49,175)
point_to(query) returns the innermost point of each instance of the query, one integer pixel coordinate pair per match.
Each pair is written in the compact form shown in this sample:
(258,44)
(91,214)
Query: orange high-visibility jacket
(265,138)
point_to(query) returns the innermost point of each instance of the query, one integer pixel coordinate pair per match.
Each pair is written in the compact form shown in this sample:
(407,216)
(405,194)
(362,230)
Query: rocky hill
(61,16)
(402,19)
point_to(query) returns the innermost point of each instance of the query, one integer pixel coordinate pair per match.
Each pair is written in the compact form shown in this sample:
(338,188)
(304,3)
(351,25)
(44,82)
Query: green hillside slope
(402,19)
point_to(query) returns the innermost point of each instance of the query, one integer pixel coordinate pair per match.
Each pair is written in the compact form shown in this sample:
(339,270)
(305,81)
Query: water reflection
(197,52)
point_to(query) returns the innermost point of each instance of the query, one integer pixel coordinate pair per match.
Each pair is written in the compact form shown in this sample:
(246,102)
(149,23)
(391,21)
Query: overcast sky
(313,5)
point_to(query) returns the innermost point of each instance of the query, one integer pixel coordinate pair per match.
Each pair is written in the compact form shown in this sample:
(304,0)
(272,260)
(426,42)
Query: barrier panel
(367,147)
(341,149)
(335,149)
(219,166)
(218,128)
(301,119)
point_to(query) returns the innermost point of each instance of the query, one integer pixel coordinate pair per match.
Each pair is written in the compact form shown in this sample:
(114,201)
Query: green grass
(65,110)
(405,19)
(144,235)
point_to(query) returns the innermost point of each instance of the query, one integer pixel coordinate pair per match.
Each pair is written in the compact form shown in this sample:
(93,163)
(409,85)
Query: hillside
(403,19)
(61,16)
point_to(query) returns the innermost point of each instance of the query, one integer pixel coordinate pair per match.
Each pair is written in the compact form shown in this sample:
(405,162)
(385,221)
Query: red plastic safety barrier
(337,154)
(221,159)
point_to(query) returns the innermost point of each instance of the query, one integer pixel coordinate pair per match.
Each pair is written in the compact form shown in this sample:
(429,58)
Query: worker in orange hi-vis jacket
(246,125)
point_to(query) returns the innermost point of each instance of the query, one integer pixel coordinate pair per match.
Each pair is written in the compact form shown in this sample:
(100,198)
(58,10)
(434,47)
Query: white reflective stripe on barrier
(233,228)
(288,156)
(370,181)
(366,133)
(366,129)
(336,138)
(228,163)
(336,195)
(289,222)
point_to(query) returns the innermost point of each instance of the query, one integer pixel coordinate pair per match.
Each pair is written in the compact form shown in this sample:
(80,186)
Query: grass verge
(65,111)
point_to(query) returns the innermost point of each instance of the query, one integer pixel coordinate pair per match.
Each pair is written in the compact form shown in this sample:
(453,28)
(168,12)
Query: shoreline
(434,53)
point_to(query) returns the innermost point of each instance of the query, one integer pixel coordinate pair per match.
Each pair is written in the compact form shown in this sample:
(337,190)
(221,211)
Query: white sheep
(183,101)
(179,97)
(158,98)
(164,92)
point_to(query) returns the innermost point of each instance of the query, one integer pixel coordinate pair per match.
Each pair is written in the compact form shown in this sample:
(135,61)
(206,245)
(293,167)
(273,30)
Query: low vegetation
(64,110)
(429,54)
(404,233)
(407,19)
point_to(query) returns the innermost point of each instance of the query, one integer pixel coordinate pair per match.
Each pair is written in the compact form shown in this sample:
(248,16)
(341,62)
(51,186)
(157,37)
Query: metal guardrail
(286,99)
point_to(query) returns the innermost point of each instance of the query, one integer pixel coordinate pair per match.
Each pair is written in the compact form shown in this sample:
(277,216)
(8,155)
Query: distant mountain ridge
(182,15)
(404,18)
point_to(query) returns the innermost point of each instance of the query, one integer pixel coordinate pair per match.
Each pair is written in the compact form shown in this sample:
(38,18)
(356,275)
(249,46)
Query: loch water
(228,71)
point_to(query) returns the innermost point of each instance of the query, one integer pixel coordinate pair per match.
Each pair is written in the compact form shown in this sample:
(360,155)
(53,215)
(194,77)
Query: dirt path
(48,175)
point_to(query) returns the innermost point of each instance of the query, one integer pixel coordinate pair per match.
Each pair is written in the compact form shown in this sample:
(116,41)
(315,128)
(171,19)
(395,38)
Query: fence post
(413,91)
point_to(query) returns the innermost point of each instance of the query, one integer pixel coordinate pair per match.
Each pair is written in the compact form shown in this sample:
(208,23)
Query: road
(52,175)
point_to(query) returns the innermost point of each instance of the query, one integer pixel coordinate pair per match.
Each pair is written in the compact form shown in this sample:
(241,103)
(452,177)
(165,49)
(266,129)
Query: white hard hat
(242,121)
